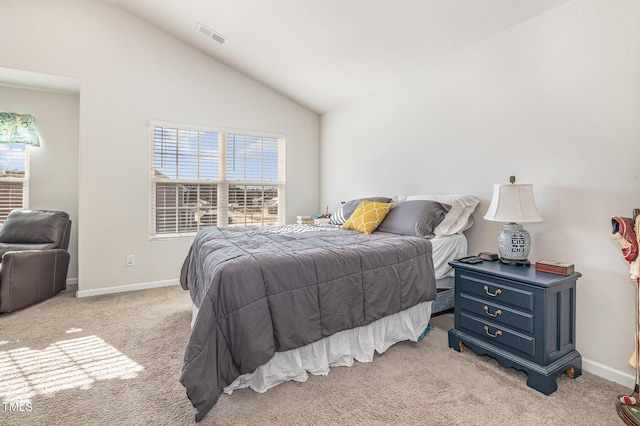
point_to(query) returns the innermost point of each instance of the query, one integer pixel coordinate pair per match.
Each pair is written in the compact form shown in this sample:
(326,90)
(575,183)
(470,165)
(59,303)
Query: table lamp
(513,204)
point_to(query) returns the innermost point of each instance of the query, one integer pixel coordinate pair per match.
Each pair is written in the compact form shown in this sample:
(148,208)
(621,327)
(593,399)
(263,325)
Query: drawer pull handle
(498,333)
(486,290)
(495,314)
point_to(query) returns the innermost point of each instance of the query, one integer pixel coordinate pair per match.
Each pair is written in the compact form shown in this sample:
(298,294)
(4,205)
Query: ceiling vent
(211,34)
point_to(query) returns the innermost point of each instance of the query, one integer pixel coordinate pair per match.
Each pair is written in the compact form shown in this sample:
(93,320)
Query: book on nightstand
(303,220)
(554,267)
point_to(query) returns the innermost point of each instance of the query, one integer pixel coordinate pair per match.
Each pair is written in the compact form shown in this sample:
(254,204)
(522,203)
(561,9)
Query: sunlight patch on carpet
(68,364)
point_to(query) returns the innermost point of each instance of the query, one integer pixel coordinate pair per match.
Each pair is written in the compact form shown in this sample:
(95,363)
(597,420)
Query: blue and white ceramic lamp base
(514,242)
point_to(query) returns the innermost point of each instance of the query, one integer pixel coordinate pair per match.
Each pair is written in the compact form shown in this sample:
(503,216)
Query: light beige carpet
(115,360)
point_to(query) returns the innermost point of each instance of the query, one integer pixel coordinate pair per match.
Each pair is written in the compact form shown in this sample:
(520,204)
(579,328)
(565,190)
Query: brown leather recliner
(35,260)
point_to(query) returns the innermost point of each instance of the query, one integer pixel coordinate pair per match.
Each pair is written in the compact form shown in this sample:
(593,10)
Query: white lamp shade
(513,203)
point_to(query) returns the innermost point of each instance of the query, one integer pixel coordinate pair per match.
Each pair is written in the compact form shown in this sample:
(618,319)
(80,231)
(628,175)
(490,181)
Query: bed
(271,304)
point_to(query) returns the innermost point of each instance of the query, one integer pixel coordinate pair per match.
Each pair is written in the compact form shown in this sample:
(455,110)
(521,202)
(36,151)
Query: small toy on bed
(326,214)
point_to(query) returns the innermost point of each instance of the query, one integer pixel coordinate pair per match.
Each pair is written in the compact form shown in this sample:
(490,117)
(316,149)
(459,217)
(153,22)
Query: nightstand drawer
(496,290)
(498,335)
(499,314)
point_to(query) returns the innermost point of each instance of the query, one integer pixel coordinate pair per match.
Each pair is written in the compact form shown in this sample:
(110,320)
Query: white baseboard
(72,281)
(609,373)
(125,288)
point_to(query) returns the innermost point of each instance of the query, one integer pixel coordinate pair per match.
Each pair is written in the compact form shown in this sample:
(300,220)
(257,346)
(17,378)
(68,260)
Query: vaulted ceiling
(325,53)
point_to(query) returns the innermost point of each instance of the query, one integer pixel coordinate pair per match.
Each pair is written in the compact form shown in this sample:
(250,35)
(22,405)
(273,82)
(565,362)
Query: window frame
(222,183)
(24,180)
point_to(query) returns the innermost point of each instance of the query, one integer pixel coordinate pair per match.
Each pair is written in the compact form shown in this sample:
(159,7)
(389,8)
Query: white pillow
(459,218)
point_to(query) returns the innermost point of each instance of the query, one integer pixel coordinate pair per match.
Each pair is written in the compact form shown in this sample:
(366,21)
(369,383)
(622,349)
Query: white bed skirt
(338,350)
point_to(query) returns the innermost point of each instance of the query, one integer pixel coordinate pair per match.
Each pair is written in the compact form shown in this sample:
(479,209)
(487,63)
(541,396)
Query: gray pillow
(415,218)
(347,209)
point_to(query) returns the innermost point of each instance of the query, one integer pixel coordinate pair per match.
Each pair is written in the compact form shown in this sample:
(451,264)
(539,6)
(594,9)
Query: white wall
(53,183)
(131,73)
(555,102)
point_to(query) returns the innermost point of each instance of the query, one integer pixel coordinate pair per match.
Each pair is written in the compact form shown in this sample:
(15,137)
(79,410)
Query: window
(14,178)
(214,178)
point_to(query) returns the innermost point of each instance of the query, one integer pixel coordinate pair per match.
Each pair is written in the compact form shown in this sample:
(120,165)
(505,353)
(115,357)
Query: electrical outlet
(131,260)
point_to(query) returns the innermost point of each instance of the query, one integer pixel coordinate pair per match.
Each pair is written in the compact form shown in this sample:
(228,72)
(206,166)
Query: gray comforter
(262,290)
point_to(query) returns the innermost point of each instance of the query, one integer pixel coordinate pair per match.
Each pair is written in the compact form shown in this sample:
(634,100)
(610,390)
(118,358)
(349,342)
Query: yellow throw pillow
(367,216)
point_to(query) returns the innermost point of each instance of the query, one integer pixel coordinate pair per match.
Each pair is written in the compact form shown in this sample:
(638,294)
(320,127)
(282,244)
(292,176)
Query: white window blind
(14,178)
(214,178)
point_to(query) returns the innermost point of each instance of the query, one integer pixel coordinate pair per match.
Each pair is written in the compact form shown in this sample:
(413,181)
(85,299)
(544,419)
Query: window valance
(18,129)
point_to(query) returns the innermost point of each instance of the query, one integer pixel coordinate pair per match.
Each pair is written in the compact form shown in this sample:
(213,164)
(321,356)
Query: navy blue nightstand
(523,318)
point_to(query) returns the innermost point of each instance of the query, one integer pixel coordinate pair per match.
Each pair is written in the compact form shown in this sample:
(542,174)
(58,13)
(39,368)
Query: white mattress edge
(445,249)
